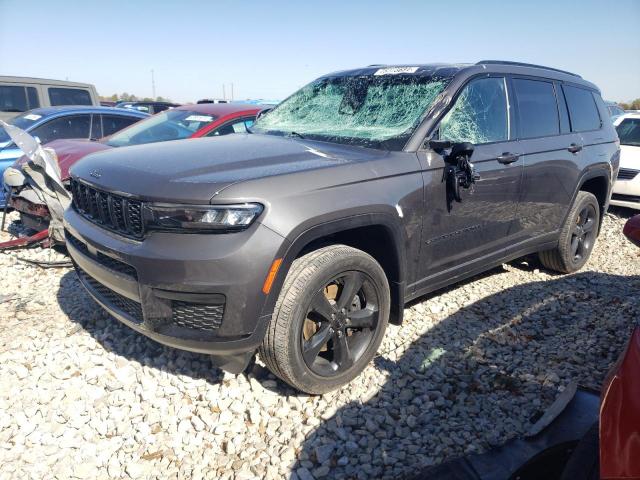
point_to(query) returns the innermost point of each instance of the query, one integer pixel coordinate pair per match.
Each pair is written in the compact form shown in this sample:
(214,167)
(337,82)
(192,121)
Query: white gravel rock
(472,366)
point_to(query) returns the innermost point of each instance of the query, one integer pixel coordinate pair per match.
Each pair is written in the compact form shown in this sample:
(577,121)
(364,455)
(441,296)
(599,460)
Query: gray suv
(362,191)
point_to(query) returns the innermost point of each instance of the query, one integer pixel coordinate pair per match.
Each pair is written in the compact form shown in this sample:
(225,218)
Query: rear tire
(329,319)
(577,237)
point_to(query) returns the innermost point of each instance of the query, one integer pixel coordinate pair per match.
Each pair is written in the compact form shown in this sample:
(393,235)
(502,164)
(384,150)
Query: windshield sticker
(395,70)
(198,118)
(32,116)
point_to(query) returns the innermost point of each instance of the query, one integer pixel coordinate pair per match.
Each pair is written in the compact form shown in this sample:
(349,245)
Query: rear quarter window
(68,96)
(583,111)
(537,108)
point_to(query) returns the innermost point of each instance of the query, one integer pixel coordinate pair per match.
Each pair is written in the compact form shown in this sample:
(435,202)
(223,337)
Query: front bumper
(626,193)
(196,292)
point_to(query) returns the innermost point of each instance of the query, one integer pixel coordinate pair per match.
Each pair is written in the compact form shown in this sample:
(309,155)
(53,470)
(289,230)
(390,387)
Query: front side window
(114,123)
(537,108)
(13,99)
(583,110)
(239,126)
(378,110)
(479,115)
(165,126)
(629,132)
(68,96)
(73,126)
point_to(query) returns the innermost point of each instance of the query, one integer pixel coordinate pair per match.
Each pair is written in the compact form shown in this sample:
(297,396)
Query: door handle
(507,158)
(575,148)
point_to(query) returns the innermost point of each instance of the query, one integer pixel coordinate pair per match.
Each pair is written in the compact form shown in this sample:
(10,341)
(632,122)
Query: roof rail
(520,64)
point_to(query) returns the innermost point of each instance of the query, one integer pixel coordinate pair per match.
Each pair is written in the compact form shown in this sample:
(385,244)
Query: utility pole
(224,92)
(153,85)
(232,91)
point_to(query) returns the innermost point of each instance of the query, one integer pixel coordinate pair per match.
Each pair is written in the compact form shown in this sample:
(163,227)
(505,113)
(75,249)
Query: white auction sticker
(32,116)
(395,70)
(198,118)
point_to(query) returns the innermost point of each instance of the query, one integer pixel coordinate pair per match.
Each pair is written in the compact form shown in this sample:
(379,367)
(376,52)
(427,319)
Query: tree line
(126,97)
(632,105)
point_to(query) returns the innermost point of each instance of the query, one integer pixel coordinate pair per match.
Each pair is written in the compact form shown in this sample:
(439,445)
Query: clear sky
(270,48)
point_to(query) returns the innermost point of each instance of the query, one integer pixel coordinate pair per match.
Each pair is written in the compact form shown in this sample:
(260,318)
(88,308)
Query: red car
(187,121)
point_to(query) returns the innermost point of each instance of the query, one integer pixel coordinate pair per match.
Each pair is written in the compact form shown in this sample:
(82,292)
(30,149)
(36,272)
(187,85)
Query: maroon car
(187,121)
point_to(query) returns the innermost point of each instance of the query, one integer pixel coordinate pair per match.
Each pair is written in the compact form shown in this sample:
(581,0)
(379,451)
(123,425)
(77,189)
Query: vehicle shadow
(116,337)
(478,378)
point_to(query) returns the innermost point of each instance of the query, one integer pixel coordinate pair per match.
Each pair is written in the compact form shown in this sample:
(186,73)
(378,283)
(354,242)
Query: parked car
(615,110)
(626,191)
(188,121)
(52,123)
(20,94)
(360,192)
(147,107)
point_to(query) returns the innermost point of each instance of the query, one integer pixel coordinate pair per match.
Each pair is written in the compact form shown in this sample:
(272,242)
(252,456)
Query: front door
(458,235)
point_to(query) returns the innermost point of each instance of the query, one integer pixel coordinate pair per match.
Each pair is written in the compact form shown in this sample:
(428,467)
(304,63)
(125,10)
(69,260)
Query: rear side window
(114,123)
(583,110)
(73,126)
(537,108)
(479,115)
(68,96)
(13,99)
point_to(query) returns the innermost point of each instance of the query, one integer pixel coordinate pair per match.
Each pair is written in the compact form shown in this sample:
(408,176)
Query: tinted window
(113,123)
(239,126)
(537,108)
(69,96)
(480,114)
(13,99)
(32,95)
(583,110)
(75,126)
(629,132)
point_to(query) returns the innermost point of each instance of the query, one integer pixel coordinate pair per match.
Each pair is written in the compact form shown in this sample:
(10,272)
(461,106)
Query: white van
(19,94)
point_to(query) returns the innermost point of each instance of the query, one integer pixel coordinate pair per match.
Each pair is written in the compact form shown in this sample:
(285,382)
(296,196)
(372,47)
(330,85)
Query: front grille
(111,211)
(104,260)
(195,316)
(625,198)
(627,174)
(132,308)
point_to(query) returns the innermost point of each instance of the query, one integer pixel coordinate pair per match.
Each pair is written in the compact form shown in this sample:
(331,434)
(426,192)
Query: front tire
(577,237)
(329,319)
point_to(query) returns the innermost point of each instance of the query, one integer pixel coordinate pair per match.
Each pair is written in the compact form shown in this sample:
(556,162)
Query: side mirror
(439,145)
(461,149)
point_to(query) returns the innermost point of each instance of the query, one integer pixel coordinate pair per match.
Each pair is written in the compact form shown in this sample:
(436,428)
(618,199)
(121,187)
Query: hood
(195,170)
(69,152)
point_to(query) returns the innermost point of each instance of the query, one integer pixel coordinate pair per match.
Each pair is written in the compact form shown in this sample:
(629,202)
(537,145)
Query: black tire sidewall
(584,199)
(321,277)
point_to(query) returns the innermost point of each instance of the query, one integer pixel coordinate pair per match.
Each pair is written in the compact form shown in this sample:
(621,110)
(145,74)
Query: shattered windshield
(168,125)
(370,110)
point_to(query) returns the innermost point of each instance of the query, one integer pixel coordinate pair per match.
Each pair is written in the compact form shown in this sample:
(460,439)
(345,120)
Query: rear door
(457,236)
(551,157)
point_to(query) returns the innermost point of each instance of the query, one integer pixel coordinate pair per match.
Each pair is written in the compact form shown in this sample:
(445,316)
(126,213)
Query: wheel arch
(374,233)
(598,183)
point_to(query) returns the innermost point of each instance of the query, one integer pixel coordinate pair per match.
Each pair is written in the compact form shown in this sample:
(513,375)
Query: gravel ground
(472,366)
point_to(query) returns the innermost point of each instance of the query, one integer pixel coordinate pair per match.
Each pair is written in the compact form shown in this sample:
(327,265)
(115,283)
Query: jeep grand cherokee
(363,190)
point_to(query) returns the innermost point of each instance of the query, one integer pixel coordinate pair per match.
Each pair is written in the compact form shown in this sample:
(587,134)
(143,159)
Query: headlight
(214,218)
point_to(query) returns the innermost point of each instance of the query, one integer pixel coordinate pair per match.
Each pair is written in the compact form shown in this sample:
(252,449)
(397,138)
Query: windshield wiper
(295,134)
